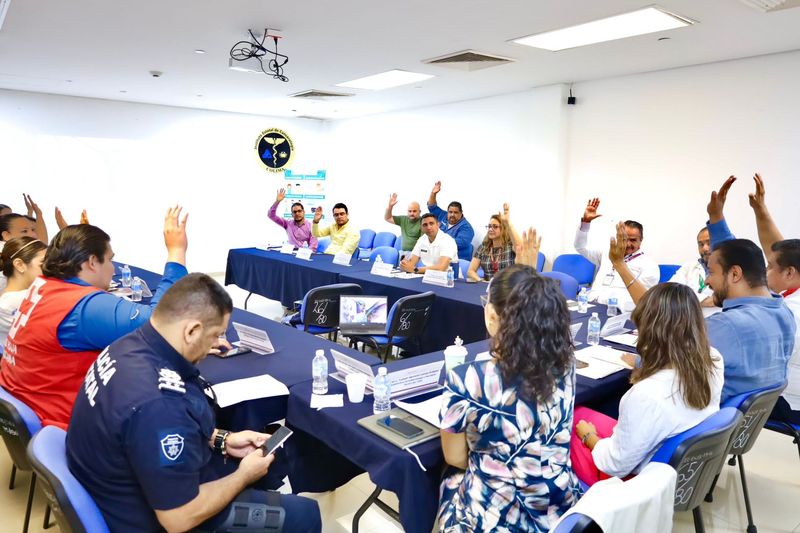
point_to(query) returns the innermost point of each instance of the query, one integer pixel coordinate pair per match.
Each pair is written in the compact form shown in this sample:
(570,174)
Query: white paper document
(602,361)
(320,401)
(628,339)
(382,269)
(304,253)
(242,390)
(427,410)
(287,249)
(342,259)
(435,277)
(406,275)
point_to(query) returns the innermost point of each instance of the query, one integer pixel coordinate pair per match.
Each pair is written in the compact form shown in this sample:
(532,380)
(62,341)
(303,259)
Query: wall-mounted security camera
(156,73)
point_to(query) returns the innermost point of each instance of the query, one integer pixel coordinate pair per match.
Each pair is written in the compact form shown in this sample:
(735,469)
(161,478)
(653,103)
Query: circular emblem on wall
(275,149)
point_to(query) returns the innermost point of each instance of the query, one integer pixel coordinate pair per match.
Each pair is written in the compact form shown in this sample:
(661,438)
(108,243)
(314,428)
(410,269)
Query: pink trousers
(580,454)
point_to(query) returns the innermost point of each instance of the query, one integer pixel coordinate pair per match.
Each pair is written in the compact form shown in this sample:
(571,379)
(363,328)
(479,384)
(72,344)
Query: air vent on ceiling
(766,6)
(468,60)
(314,93)
(309,117)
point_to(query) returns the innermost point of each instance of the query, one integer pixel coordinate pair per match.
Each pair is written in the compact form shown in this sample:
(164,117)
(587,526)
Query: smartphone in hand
(277,438)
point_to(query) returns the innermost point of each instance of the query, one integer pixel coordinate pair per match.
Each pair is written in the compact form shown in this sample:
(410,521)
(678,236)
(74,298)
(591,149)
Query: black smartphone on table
(399,426)
(236,350)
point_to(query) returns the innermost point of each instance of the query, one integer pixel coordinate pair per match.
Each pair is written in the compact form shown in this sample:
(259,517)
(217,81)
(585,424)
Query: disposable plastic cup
(356,383)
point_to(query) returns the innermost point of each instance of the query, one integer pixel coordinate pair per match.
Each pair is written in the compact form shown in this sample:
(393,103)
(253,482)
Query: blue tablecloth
(283,277)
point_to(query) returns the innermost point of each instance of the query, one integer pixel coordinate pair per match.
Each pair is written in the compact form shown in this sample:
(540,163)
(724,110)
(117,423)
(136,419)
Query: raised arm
(316,231)
(432,198)
(718,230)
(582,234)
(512,231)
(273,210)
(527,249)
(387,216)
(768,232)
(33,210)
(616,253)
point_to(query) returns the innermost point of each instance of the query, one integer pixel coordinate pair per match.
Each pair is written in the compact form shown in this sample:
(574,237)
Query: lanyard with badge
(609,279)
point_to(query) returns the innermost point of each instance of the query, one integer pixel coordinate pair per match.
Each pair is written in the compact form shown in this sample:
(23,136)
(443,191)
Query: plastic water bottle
(382,392)
(126,275)
(136,287)
(583,300)
(450,277)
(593,336)
(319,371)
(613,306)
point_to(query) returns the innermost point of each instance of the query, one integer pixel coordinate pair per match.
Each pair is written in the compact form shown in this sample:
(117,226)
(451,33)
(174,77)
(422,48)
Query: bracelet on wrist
(585,438)
(630,283)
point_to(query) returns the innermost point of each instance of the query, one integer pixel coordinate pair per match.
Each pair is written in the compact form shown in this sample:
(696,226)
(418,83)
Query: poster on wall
(275,149)
(308,189)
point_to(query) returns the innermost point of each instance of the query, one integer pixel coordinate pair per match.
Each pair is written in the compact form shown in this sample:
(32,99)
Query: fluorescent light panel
(385,80)
(640,22)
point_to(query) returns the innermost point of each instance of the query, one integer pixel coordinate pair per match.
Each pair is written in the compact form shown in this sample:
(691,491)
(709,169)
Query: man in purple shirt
(298,229)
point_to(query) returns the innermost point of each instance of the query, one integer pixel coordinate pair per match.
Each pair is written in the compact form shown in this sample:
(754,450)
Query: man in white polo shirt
(435,248)
(693,274)
(607,282)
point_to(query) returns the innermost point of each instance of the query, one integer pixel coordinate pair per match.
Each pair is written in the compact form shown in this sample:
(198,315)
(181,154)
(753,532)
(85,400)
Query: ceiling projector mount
(253,54)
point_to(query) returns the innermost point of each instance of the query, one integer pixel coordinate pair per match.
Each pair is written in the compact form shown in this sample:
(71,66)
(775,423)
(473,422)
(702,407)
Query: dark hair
(6,220)
(635,225)
(455,204)
(704,228)
(672,334)
(533,344)
(28,217)
(197,296)
(787,253)
(340,205)
(71,247)
(487,242)
(4,206)
(25,248)
(745,254)
(298,203)
(427,215)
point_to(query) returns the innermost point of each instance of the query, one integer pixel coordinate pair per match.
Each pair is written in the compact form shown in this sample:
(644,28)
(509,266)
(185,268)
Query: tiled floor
(773,476)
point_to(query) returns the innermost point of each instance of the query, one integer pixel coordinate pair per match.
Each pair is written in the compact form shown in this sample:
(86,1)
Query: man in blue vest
(453,223)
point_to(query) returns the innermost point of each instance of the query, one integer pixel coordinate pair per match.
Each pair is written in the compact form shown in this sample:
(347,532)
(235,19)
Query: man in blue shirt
(755,330)
(453,223)
(142,433)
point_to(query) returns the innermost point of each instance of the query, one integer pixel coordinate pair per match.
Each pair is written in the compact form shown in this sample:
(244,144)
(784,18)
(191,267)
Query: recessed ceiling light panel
(385,80)
(641,22)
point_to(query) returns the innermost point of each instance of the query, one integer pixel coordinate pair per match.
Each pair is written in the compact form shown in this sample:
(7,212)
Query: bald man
(410,228)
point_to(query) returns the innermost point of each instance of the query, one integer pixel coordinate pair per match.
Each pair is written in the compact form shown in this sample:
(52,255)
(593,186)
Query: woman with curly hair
(506,421)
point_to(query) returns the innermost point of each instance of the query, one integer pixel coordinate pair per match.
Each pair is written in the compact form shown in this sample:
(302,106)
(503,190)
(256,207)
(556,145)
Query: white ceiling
(98,48)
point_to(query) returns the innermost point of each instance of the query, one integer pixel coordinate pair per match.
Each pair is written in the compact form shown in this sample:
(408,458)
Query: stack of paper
(427,410)
(241,390)
(628,339)
(602,361)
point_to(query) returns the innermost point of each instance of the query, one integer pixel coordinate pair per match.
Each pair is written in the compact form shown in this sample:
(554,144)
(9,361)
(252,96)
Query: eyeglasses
(296,211)
(484,299)
(492,226)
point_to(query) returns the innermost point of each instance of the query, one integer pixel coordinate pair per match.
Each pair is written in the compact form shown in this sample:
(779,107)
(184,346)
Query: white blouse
(9,303)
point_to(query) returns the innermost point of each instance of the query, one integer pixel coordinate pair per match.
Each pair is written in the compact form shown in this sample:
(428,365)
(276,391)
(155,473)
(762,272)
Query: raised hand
(716,204)
(393,199)
(175,235)
(436,187)
(757,201)
(280,196)
(317,215)
(527,251)
(616,249)
(505,215)
(28,204)
(33,208)
(60,221)
(84,217)
(590,212)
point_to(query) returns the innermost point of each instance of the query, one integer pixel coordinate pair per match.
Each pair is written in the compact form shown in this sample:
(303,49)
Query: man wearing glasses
(344,236)
(298,230)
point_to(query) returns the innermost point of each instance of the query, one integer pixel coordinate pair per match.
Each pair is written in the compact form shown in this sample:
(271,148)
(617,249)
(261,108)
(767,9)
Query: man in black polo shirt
(143,431)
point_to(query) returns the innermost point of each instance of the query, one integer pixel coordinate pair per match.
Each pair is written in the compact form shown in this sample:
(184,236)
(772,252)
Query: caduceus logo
(275,149)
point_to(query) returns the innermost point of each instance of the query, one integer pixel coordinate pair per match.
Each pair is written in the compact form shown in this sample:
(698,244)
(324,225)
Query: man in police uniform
(142,431)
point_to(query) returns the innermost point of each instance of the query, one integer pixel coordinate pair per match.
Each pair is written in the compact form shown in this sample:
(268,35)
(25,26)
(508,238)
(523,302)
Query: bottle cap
(594,315)
(320,352)
(382,371)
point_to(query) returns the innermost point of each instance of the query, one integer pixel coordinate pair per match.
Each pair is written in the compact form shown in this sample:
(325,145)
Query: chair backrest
(755,407)
(540,259)
(409,315)
(398,244)
(74,509)
(576,523)
(387,253)
(568,284)
(322,244)
(666,272)
(321,305)
(384,238)
(463,266)
(19,423)
(456,269)
(576,266)
(367,236)
(697,455)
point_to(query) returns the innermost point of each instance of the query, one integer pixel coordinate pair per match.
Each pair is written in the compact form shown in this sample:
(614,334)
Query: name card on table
(615,325)
(287,248)
(382,269)
(415,379)
(342,259)
(253,338)
(304,253)
(435,277)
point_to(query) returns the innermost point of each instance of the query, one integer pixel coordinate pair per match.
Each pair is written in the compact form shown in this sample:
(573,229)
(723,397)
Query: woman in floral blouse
(506,422)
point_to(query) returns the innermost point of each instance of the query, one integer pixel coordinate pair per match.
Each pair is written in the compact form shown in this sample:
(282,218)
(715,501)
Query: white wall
(653,146)
(128,162)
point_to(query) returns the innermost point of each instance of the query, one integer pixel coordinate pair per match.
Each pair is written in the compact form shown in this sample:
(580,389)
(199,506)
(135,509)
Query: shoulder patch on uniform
(172,446)
(170,380)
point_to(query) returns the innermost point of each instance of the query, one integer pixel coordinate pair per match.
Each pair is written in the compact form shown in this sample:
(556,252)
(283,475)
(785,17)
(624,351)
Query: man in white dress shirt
(435,248)
(693,274)
(607,281)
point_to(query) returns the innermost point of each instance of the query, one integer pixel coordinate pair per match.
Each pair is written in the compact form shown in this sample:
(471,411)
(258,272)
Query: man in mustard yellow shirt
(344,237)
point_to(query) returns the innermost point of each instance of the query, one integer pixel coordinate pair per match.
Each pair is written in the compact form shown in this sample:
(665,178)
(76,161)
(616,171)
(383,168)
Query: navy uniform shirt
(138,437)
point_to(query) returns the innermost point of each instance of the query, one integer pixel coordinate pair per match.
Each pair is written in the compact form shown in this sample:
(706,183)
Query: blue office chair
(577,523)
(540,259)
(568,284)
(755,407)
(697,455)
(19,423)
(792,430)
(667,271)
(577,266)
(73,507)
(463,267)
(365,244)
(398,244)
(319,311)
(407,320)
(387,254)
(322,244)
(384,238)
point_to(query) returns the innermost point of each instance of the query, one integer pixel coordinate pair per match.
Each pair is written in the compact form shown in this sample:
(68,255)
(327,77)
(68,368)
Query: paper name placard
(304,253)
(615,325)
(415,379)
(255,339)
(342,259)
(287,248)
(435,277)
(382,269)
(574,329)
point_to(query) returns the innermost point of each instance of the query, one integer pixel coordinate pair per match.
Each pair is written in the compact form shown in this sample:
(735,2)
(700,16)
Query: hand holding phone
(277,438)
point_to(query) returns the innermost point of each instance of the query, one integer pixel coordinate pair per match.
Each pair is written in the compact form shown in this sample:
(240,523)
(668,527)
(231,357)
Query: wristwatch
(219,441)
(416,270)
